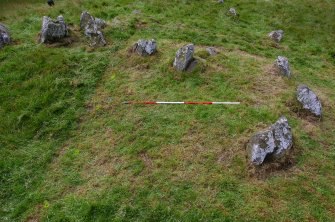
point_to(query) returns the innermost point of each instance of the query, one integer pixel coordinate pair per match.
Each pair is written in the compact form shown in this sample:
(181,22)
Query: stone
(136,12)
(145,47)
(211,51)
(53,31)
(220,1)
(233,11)
(4,36)
(277,35)
(309,100)
(283,66)
(184,57)
(93,29)
(273,142)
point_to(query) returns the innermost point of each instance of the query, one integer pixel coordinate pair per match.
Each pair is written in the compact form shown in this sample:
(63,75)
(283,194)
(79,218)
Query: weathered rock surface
(4,36)
(53,31)
(93,29)
(232,11)
(277,35)
(184,57)
(309,100)
(211,51)
(273,142)
(145,47)
(283,66)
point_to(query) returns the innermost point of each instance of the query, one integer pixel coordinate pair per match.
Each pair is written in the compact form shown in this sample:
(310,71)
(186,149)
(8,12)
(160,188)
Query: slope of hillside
(71,151)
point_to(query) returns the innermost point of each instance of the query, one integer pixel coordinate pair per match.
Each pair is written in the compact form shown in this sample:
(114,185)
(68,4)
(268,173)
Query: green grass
(70,151)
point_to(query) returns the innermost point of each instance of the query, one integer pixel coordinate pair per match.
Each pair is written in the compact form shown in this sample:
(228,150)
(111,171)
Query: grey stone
(184,57)
(309,100)
(4,36)
(277,35)
(233,11)
(93,29)
(283,66)
(53,31)
(273,142)
(211,51)
(145,47)
(220,1)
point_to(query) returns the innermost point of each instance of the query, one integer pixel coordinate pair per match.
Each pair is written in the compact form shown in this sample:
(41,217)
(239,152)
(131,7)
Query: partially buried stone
(184,57)
(283,66)
(273,142)
(53,31)
(211,51)
(309,100)
(277,35)
(93,29)
(145,47)
(220,1)
(4,36)
(232,11)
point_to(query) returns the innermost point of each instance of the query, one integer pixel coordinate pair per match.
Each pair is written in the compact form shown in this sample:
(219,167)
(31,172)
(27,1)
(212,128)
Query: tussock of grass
(70,151)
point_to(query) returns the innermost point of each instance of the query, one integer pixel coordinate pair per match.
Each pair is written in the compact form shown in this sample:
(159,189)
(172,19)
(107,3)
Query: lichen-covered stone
(274,142)
(145,47)
(4,36)
(276,35)
(53,31)
(232,11)
(184,57)
(309,100)
(93,29)
(211,51)
(283,66)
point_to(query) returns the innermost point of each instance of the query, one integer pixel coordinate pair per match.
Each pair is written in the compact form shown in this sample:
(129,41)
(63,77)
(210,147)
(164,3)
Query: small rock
(233,11)
(53,31)
(220,1)
(145,47)
(283,66)
(93,29)
(184,57)
(309,100)
(4,36)
(136,12)
(211,51)
(277,35)
(273,142)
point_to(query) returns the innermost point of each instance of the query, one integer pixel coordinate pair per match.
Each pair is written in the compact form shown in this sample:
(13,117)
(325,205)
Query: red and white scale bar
(181,103)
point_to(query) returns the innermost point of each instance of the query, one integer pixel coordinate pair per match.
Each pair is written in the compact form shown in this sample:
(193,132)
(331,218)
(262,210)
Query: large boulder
(309,100)
(273,142)
(145,47)
(93,29)
(276,35)
(53,30)
(283,66)
(4,36)
(184,57)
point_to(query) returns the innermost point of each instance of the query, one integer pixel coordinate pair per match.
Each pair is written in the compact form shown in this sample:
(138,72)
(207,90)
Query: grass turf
(70,151)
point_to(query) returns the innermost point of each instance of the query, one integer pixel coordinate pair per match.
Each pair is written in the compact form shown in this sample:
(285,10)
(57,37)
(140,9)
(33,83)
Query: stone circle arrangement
(270,144)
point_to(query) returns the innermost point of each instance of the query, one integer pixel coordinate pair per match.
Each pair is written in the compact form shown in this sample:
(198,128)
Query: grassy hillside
(70,151)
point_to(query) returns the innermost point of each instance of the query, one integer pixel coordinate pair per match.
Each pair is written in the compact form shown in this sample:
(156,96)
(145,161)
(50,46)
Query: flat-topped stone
(145,47)
(53,30)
